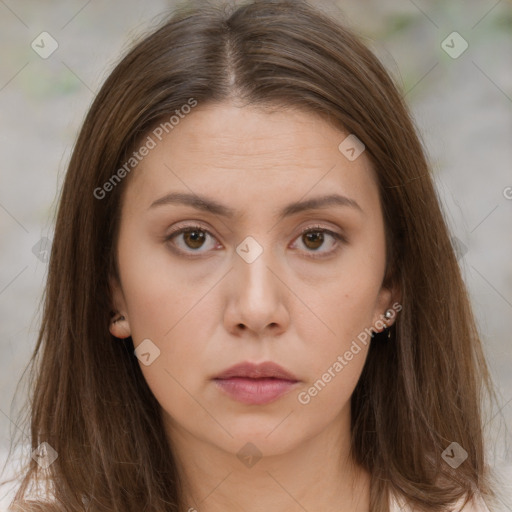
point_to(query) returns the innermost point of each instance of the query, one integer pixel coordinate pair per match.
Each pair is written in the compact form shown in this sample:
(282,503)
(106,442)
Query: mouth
(254,384)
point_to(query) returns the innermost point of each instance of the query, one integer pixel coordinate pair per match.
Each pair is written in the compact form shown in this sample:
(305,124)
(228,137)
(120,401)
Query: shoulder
(476,504)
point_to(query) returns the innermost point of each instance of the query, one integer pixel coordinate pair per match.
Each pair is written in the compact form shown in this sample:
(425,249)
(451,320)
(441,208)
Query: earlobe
(120,327)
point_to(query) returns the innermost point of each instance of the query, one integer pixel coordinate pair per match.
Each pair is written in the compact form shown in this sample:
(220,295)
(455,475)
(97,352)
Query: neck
(318,474)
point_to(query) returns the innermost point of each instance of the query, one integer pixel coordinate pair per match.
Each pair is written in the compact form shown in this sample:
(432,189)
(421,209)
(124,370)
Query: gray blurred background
(461,102)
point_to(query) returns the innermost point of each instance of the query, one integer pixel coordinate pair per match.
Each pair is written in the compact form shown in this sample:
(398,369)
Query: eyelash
(341,239)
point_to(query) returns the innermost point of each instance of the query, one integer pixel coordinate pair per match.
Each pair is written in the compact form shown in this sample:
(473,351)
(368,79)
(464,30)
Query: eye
(193,238)
(313,238)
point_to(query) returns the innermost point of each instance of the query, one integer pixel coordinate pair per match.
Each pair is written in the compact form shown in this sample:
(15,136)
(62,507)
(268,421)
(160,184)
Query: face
(252,265)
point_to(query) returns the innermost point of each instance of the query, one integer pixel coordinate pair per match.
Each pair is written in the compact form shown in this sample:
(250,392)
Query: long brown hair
(418,393)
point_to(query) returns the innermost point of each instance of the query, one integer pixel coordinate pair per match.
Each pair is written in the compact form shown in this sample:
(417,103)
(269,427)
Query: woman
(253,302)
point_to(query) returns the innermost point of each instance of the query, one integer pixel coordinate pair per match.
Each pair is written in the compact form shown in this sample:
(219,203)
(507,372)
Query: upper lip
(257,371)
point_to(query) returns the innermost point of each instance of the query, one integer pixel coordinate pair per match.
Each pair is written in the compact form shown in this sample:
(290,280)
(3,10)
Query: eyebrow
(209,205)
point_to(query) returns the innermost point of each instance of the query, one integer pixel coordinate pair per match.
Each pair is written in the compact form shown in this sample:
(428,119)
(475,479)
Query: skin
(210,312)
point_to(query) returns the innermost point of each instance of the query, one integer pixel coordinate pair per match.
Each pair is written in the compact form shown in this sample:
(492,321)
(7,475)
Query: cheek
(179,373)
(337,346)
(353,297)
(157,295)
(336,359)
(345,309)
(330,391)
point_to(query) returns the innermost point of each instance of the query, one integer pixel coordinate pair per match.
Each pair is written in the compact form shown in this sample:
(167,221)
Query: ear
(119,324)
(389,299)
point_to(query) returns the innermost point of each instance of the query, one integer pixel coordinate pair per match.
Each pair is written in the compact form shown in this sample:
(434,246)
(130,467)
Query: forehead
(244,153)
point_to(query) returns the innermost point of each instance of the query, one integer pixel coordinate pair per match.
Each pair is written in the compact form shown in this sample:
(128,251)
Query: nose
(257,300)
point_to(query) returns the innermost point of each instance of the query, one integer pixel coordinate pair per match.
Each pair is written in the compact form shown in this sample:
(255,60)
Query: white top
(477,504)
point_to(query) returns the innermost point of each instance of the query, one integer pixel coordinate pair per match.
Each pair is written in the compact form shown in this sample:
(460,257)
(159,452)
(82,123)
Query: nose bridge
(258,291)
(255,257)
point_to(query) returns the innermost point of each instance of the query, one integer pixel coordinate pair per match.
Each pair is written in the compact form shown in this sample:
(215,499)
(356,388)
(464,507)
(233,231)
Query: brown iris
(196,238)
(316,238)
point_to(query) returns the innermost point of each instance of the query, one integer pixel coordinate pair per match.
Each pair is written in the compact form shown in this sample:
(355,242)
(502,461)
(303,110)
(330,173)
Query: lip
(256,384)
(257,371)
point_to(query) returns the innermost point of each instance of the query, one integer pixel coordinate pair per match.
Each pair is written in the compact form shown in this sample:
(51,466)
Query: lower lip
(255,391)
